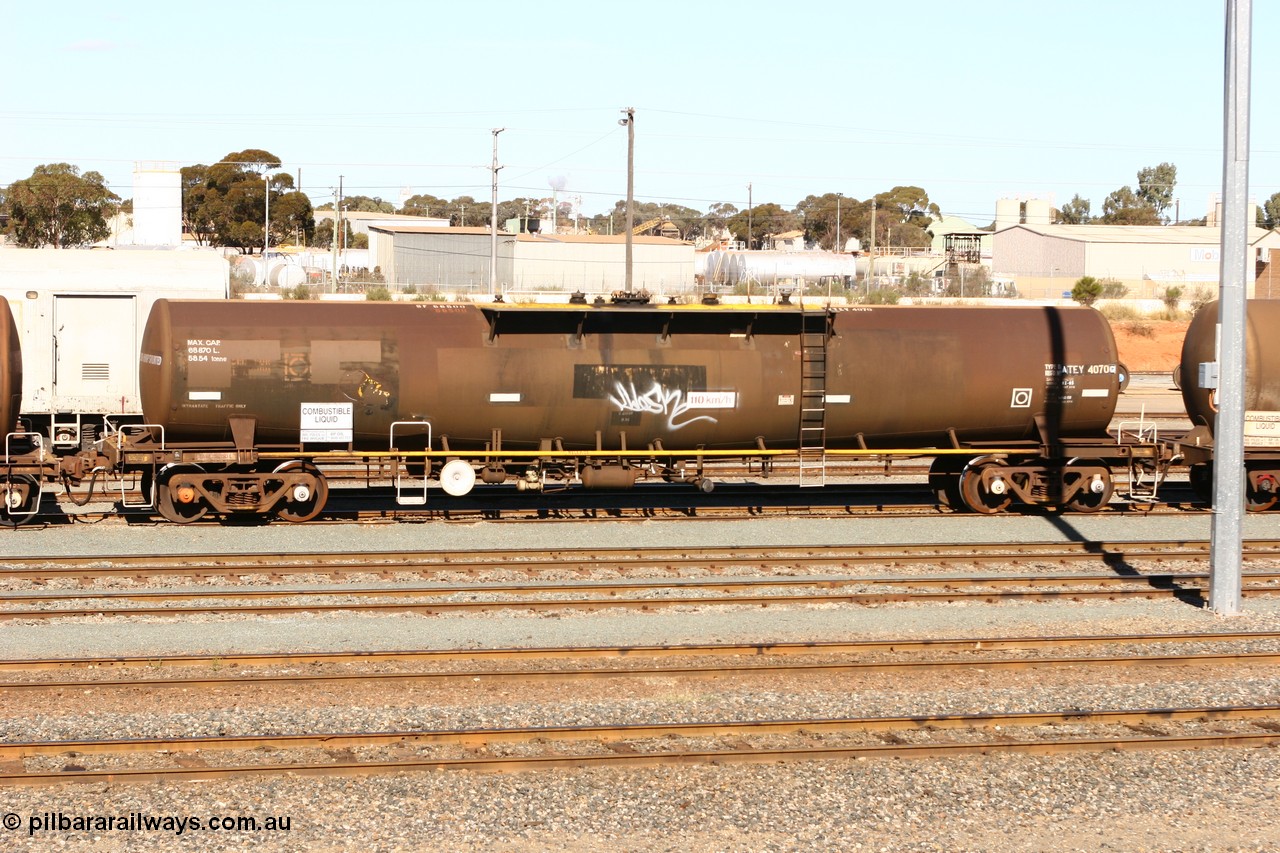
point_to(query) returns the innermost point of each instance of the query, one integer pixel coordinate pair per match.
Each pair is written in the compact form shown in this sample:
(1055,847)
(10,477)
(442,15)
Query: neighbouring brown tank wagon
(1261,400)
(23,465)
(608,394)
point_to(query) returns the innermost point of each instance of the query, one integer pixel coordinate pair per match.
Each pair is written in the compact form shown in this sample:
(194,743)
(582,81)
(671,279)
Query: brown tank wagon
(690,377)
(246,397)
(1261,400)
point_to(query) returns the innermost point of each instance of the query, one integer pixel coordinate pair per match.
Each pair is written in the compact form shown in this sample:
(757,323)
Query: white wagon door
(95,366)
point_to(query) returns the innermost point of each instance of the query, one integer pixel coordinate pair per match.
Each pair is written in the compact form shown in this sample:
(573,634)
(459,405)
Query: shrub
(1202,297)
(1113,288)
(378,293)
(1117,313)
(882,296)
(1087,291)
(1141,329)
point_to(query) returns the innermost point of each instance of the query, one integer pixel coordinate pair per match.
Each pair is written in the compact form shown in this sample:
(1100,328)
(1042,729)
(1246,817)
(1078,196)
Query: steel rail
(593,558)
(691,672)
(612,588)
(665,757)
(636,731)
(1172,582)
(1189,592)
(597,652)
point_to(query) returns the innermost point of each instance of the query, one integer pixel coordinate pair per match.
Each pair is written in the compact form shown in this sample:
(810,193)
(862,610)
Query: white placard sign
(1261,429)
(712,399)
(325,422)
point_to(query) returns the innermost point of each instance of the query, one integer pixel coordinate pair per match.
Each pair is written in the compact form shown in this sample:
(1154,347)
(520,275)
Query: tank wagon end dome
(1262,364)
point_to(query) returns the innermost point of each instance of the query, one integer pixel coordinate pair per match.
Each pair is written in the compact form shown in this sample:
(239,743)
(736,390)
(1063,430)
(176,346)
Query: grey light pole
(630,123)
(337,229)
(871,254)
(1228,465)
(749,206)
(266,224)
(493,217)
(839,198)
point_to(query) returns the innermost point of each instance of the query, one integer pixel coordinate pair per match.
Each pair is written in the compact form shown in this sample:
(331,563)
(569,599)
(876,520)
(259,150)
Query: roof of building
(942,225)
(409,228)
(528,238)
(644,239)
(1168,234)
(327,213)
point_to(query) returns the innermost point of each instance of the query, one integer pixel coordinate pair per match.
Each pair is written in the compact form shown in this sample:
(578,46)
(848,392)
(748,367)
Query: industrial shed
(429,258)
(1047,260)
(457,259)
(596,263)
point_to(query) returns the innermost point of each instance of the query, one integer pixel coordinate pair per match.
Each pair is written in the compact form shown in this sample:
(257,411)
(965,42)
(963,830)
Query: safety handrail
(404,484)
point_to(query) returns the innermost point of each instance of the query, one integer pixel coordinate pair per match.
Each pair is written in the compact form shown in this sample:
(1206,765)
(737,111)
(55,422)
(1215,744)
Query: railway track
(671,560)
(578,672)
(882,503)
(676,742)
(758,650)
(516,749)
(607,596)
(788,580)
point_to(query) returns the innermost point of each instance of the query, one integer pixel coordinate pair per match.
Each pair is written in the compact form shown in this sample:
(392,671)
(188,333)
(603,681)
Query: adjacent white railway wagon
(80,316)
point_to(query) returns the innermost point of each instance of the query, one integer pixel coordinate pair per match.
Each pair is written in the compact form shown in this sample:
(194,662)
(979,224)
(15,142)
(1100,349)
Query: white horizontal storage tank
(283,274)
(248,270)
(730,268)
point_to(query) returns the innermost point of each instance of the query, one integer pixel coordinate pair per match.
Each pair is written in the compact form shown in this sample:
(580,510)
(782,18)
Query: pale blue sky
(971,101)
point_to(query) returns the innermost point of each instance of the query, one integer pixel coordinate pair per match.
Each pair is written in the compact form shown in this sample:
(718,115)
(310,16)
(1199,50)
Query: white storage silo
(1008,213)
(1038,211)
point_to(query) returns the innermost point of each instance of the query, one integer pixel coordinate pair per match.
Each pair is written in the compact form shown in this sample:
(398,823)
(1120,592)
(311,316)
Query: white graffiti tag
(657,401)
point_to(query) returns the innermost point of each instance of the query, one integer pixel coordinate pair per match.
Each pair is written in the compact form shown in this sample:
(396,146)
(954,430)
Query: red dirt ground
(1157,352)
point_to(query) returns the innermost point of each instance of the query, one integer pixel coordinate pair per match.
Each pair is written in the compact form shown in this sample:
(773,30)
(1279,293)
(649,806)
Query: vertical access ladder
(813,397)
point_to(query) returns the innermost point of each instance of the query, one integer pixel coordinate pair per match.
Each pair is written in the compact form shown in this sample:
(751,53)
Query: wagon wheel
(172,485)
(303,503)
(18,492)
(976,496)
(944,480)
(1088,500)
(1263,497)
(1200,476)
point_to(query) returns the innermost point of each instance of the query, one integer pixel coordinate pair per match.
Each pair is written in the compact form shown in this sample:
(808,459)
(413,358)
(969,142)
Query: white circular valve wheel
(457,478)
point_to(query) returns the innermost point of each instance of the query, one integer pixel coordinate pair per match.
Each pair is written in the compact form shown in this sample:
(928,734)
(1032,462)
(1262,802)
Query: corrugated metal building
(457,259)
(440,258)
(1047,260)
(596,263)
